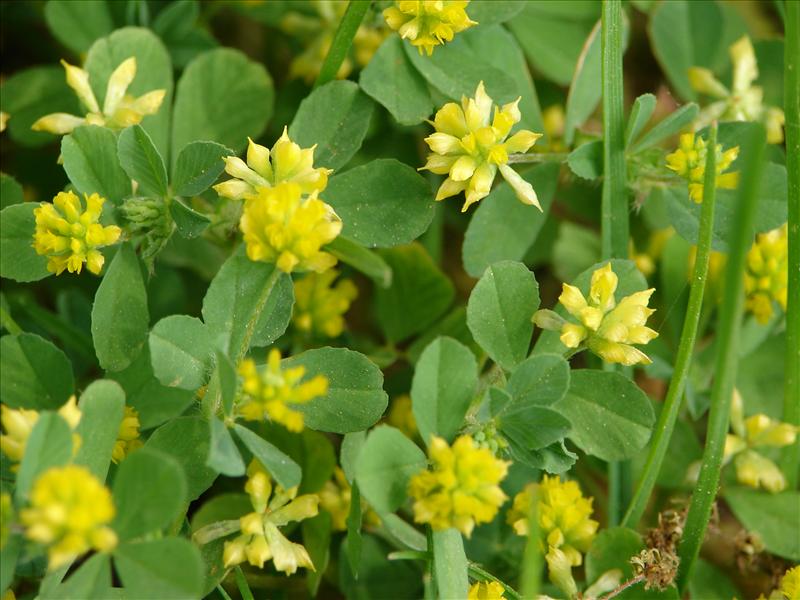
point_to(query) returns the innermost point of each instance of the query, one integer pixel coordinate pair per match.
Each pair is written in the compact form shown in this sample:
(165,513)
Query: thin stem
(537,157)
(9,323)
(223,593)
(623,586)
(241,582)
(672,404)
(342,40)
(791,399)
(430,582)
(532,558)
(478,573)
(269,284)
(728,326)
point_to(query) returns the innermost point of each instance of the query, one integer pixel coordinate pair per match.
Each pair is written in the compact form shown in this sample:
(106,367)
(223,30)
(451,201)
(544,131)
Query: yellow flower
(470,145)
(6,517)
(462,487)
(286,162)
(745,101)
(4,116)
(274,392)
(69,513)
(564,516)
(401,416)
(261,540)
(128,436)
(689,161)
(120,110)
(70,236)
(486,590)
(766,276)
(319,306)
(18,424)
(335,498)
(790,584)
(281,226)
(428,23)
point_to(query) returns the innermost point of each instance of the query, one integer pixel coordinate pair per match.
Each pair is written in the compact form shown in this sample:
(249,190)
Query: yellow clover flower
(401,416)
(745,101)
(470,145)
(261,540)
(120,110)
(319,306)
(428,23)
(286,162)
(128,436)
(766,277)
(4,116)
(281,226)
(689,161)
(18,424)
(69,235)
(335,498)
(69,513)
(486,590)
(462,487)
(790,584)
(274,392)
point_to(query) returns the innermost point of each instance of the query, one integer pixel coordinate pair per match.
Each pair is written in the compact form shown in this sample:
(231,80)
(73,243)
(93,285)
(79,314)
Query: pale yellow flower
(128,436)
(766,277)
(428,23)
(18,424)
(689,161)
(486,590)
(4,116)
(320,306)
(401,416)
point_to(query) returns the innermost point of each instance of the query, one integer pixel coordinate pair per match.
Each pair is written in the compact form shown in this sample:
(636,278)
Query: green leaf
(10,191)
(385,464)
(774,517)
(420,293)
(153,72)
(540,380)
(382,203)
(78,23)
(444,384)
(8,560)
(317,541)
(91,163)
(348,454)
(529,428)
(187,440)
(34,373)
(198,165)
(102,407)
(165,569)
(149,493)
(285,471)
(361,259)
(120,318)
(224,97)
(611,417)
(354,540)
(500,309)
(141,160)
(450,564)
(488,12)
(613,548)
(667,127)
(710,583)
(355,398)
(391,80)
(18,260)
(587,160)
(49,445)
(189,222)
(92,581)
(335,117)
(223,455)
(181,349)
(641,112)
(233,297)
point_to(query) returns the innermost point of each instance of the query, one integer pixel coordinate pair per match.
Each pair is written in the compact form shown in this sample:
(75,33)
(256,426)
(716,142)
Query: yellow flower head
(69,235)
(564,516)
(128,436)
(606,327)
(120,110)
(273,392)
(790,584)
(744,102)
(401,416)
(462,487)
(335,498)
(69,513)
(689,161)
(286,162)
(470,145)
(18,424)
(261,540)
(766,277)
(319,306)
(486,590)
(428,23)
(281,226)
(4,116)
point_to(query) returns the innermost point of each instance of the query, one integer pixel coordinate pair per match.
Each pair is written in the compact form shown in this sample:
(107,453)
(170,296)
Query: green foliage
(102,405)
(91,163)
(141,161)
(34,373)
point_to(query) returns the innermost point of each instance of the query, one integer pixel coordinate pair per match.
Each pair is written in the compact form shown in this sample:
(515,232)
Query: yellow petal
(118,84)
(78,80)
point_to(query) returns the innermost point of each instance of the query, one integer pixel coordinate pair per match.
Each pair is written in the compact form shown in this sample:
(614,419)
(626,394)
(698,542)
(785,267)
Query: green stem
(269,284)
(241,582)
(430,576)
(223,593)
(342,41)
(669,412)
(9,323)
(538,157)
(532,558)
(791,401)
(728,326)
(476,572)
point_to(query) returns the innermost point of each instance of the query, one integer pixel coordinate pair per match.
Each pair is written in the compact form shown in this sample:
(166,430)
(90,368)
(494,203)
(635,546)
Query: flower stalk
(342,40)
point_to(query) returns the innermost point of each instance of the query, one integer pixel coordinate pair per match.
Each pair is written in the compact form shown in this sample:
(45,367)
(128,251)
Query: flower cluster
(689,161)
(272,393)
(428,23)
(335,498)
(261,539)
(69,513)
(470,145)
(745,101)
(605,326)
(319,305)
(486,590)
(69,235)
(120,110)
(767,274)
(128,436)
(462,487)
(18,424)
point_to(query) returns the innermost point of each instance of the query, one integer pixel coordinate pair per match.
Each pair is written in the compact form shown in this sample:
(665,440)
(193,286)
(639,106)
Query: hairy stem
(622,587)
(342,40)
